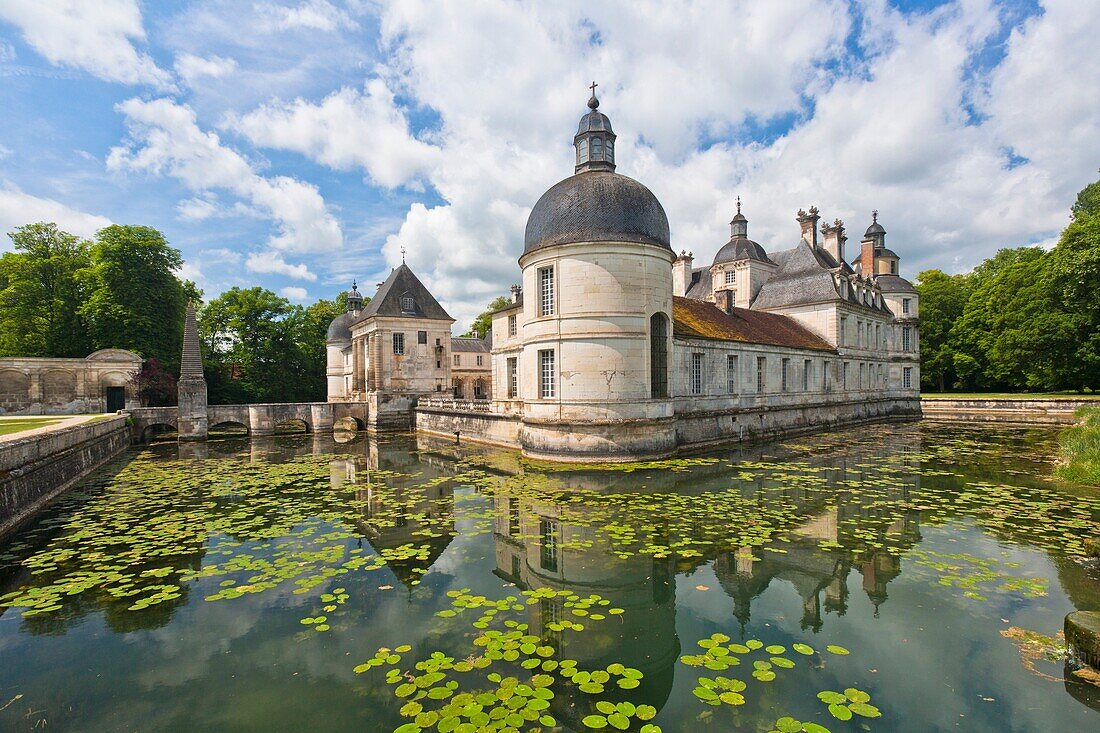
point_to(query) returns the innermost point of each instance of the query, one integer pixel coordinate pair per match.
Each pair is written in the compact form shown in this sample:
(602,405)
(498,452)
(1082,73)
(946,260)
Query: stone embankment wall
(1027,411)
(35,470)
(693,430)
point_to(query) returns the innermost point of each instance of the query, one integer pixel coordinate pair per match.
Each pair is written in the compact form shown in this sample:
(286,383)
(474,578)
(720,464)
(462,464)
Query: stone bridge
(260,419)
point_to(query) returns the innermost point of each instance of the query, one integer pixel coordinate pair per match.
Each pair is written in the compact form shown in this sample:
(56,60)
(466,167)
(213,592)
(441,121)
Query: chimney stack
(516,290)
(808,222)
(724,300)
(681,273)
(835,239)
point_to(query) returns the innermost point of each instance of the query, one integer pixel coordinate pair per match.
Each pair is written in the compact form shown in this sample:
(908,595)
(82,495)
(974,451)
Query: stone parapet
(1009,410)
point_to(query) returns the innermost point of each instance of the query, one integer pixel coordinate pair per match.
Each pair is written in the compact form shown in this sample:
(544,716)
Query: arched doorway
(658,356)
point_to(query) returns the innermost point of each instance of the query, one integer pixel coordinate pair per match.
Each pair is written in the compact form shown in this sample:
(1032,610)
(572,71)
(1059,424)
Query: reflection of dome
(340,328)
(597,206)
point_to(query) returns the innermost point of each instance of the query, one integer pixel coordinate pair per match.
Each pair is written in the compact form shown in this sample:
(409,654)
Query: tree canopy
(1025,319)
(484,322)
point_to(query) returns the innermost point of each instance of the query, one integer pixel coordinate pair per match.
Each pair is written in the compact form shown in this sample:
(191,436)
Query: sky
(299,145)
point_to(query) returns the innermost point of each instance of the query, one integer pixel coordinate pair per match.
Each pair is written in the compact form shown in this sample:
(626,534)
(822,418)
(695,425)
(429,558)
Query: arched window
(658,355)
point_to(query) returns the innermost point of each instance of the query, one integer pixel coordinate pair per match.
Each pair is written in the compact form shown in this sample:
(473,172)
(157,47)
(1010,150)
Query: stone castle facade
(614,347)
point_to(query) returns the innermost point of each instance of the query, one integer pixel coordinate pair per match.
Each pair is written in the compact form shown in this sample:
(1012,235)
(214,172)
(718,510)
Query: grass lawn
(1081,449)
(19,424)
(1009,395)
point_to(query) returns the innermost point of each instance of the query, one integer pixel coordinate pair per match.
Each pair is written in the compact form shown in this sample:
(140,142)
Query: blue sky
(300,144)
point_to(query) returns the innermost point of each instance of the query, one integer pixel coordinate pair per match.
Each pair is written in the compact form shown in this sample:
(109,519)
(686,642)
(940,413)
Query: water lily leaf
(834,649)
(803,649)
(865,710)
(595,722)
(840,712)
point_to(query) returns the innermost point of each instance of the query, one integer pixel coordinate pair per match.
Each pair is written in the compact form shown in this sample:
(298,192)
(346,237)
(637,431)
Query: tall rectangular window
(859,333)
(731,277)
(697,374)
(907,377)
(731,374)
(513,377)
(399,343)
(457,359)
(422,337)
(548,552)
(824,376)
(546,373)
(844,376)
(807,371)
(862,368)
(511,325)
(546,291)
(480,360)
(906,338)
(786,374)
(842,337)
(878,335)
(761,374)
(905,305)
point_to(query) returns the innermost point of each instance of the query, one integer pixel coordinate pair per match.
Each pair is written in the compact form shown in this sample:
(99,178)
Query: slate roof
(402,282)
(340,328)
(701,284)
(698,319)
(805,276)
(894,284)
(465,344)
(741,248)
(596,206)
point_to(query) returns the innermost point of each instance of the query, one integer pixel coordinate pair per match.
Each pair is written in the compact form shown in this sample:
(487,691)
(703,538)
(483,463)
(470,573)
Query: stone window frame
(785,374)
(547,291)
(907,378)
(398,344)
(906,338)
(731,277)
(905,305)
(512,365)
(512,325)
(422,338)
(761,374)
(695,376)
(807,374)
(733,381)
(457,360)
(547,375)
(479,360)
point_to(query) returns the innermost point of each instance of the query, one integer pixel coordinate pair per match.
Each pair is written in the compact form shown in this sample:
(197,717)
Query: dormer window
(408,305)
(731,277)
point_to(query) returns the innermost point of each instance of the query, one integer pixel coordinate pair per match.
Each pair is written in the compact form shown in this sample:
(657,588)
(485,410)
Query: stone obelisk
(192,424)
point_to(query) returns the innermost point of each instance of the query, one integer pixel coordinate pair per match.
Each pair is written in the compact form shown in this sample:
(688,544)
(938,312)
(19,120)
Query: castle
(614,347)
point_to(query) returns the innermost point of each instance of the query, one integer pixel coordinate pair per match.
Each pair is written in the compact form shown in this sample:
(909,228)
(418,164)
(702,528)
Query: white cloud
(18,208)
(191,67)
(318,15)
(96,37)
(4,152)
(271,262)
(7,52)
(294,293)
(346,129)
(164,138)
(198,208)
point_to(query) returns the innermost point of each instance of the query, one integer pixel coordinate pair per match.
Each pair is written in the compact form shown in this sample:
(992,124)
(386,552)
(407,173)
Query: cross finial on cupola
(738,203)
(593,103)
(874,216)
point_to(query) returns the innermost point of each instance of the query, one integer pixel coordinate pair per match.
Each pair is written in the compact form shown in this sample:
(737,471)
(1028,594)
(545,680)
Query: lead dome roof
(597,206)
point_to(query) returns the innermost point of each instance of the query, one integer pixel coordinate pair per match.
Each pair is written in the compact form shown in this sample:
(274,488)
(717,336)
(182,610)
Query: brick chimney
(681,273)
(867,257)
(834,239)
(808,222)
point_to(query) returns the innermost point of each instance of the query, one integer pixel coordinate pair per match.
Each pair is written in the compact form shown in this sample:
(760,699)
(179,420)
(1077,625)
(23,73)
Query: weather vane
(402,254)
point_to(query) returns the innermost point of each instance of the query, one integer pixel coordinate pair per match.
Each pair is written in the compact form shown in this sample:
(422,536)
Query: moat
(895,577)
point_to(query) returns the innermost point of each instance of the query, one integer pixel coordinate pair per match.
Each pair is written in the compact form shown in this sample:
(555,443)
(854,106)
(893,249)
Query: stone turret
(192,423)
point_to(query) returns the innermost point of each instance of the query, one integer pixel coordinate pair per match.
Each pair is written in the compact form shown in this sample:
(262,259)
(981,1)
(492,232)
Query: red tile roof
(700,319)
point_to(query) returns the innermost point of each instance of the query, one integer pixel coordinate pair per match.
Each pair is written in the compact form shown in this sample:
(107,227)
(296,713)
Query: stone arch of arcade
(261,419)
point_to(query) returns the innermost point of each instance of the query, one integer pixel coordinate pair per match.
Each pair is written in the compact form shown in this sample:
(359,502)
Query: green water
(249,586)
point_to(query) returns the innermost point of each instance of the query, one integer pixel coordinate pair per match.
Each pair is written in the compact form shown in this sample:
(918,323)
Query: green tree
(40,293)
(1073,278)
(135,300)
(942,299)
(1088,201)
(484,322)
(261,348)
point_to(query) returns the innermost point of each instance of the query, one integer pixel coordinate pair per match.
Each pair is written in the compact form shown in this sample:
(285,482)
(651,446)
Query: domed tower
(338,347)
(740,267)
(597,334)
